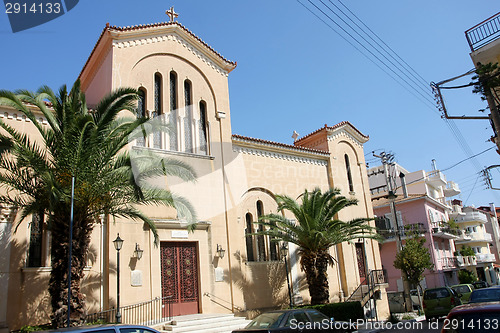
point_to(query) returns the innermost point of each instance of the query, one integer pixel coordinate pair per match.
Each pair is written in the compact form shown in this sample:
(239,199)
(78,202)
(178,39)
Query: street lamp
(284,254)
(118,243)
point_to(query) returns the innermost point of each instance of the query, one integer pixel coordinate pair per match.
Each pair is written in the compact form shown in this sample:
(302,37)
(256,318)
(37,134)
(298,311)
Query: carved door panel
(179,276)
(360,256)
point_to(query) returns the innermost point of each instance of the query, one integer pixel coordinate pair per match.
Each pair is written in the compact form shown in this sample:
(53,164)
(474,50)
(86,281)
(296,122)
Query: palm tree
(89,145)
(316,228)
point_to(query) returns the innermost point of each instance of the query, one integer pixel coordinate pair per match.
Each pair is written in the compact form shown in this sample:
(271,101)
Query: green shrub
(466,276)
(340,311)
(28,328)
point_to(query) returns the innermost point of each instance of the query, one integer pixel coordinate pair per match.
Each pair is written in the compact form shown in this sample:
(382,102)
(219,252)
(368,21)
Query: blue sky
(295,73)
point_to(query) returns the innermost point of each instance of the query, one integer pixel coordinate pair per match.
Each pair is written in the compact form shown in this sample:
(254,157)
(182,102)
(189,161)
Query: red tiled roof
(279,144)
(332,128)
(152,25)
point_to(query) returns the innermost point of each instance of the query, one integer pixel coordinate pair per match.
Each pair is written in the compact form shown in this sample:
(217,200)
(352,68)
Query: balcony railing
(481,237)
(484,32)
(451,189)
(407,230)
(449,263)
(487,257)
(464,237)
(471,217)
(464,261)
(442,229)
(436,178)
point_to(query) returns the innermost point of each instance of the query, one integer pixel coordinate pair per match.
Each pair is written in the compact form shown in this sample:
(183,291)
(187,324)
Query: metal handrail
(150,312)
(484,32)
(375,277)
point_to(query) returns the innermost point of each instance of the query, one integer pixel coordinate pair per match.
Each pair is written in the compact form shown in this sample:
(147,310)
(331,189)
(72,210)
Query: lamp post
(118,243)
(284,254)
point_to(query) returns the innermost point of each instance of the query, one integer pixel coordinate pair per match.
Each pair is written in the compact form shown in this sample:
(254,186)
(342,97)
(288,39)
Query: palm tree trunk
(315,266)
(58,283)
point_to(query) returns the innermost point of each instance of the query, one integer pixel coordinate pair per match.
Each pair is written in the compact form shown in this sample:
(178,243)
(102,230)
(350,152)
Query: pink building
(423,203)
(422,207)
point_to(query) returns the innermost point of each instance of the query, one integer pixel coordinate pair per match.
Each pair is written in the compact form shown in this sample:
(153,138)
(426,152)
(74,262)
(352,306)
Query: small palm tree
(89,145)
(316,228)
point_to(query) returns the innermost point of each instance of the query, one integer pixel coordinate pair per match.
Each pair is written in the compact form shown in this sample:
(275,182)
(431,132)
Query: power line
(426,99)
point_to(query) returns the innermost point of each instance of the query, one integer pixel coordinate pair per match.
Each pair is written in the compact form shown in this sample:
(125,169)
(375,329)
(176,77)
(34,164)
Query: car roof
(476,307)
(96,328)
(289,310)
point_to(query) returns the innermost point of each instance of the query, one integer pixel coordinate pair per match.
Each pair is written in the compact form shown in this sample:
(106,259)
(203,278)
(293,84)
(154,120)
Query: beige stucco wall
(231,178)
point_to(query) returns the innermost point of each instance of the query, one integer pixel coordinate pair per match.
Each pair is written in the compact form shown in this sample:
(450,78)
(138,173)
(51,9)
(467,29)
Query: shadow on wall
(27,299)
(25,289)
(263,284)
(91,283)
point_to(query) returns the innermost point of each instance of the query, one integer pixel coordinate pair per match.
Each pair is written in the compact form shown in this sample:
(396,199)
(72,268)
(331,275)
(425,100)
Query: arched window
(35,245)
(248,238)
(172,121)
(261,245)
(141,113)
(349,177)
(203,128)
(188,134)
(158,108)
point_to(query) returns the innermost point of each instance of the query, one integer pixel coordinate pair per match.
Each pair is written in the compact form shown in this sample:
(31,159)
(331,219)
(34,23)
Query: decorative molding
(174,38)
(346,135)
(176,224)
(13,115)
(281,156)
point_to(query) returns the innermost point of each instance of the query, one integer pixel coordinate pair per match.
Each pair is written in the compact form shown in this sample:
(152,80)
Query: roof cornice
(112,34)
(279,147)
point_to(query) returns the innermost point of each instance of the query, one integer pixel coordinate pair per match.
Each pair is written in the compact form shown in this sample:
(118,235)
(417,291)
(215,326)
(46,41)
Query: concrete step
(208,323)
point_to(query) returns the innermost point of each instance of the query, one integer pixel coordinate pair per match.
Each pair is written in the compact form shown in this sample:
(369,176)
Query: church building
(219,267)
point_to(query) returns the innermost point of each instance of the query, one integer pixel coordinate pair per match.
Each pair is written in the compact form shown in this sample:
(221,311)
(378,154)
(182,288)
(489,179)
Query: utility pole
(388,159)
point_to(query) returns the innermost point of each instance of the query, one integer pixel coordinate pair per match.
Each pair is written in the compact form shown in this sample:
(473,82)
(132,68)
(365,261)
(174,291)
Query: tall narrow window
(203,128)
(188,134)
(172,119)
(349,177)
(141,113)
(35,246)
(261,245)
(158,110)
(248,238)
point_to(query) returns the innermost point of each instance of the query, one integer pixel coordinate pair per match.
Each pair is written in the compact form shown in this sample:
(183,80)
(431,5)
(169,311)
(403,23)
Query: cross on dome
(173,15)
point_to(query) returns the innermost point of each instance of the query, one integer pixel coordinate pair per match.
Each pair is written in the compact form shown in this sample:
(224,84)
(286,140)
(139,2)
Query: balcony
(463,237)
(484,32)
(444,231)
(473,216)
(405,231)
(465,261)
(485,258)
(435,178)
(451,189)
(449,263)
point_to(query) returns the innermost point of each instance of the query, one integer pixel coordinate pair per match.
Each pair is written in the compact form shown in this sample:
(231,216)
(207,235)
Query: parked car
(105,329)
(485,295)
(465,290)
(414,298)
(475,317)
(480,284)
(296,320)
(439,301)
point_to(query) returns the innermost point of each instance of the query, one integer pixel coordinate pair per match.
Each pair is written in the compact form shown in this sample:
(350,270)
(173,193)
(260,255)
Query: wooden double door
(180,276)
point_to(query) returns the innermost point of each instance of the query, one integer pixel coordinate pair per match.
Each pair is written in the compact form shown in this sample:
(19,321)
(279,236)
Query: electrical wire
(398,71)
